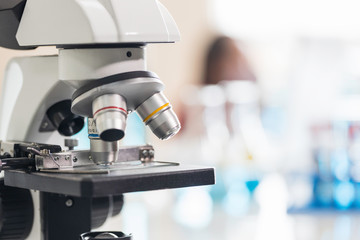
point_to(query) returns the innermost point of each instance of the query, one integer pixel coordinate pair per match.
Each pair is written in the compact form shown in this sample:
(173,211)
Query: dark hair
(225,61)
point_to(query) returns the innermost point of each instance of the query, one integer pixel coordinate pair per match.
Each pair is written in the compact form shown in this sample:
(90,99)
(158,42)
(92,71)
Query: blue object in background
(323,192)
(340,164)
(344,194)
(237,200)
(357,195)
(252,184)
(336,184)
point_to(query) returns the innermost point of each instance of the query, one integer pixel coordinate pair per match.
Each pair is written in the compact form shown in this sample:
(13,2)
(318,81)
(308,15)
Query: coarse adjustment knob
(16,212)
(10,15)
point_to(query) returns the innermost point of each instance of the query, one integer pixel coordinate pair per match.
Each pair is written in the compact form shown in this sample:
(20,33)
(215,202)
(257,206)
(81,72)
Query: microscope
(97,79)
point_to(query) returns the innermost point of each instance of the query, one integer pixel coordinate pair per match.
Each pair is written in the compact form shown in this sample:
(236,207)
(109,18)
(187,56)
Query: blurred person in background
(225,61)
(226,64)
(216,110)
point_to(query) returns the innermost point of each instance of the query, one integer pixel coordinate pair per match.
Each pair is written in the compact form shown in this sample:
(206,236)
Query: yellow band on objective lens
(157,110)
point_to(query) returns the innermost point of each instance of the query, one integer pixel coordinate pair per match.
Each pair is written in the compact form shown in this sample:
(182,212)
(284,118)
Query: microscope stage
(113,182)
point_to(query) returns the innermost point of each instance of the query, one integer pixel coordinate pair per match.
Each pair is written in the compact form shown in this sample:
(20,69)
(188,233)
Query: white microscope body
(101,58)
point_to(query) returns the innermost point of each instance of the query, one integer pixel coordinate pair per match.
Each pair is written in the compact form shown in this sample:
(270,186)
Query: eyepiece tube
(156,112)
(110,113)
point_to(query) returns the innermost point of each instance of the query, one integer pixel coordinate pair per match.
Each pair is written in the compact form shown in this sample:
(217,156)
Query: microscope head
(93,22)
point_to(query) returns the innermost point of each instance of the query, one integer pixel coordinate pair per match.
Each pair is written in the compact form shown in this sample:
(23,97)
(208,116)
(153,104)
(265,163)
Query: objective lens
(157,113)
(104,152)
(110,113)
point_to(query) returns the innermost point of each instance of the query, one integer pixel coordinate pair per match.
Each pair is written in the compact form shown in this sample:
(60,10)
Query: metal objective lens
(110,113)
(156,112)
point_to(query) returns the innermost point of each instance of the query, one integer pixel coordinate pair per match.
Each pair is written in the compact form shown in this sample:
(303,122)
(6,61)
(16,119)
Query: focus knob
(16,212)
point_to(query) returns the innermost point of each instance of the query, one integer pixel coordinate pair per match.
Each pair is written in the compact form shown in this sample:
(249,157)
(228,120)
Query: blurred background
(268,92)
